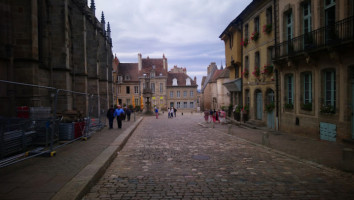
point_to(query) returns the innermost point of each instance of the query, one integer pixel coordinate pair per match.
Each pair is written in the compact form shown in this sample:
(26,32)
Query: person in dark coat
(128,112)
(110,116)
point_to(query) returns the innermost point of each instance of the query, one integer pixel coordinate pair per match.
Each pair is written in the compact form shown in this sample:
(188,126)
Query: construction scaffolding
(34,125)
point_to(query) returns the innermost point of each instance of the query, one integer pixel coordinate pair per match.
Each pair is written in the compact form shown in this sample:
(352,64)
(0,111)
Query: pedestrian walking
(211,115)
(214,116)
(110,116)
(156,112)
(171,112)
(174,111)
(206,116)
(119,113)
(168,112)
(124,109)
(128,113)
(218,116)
(222,117)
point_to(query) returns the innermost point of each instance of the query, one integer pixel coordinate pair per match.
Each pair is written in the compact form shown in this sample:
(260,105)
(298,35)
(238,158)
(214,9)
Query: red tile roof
(148,63)
(216,75)
(130,69)
(181,79)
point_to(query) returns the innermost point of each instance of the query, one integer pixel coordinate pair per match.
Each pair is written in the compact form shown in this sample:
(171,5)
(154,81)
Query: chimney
(140,63)
(164,59)
(195,79)
(103,24)
(93,7)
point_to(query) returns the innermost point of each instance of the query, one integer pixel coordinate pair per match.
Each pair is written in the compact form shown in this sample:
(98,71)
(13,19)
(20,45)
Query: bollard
(265,139)
(229,128)
(348,159)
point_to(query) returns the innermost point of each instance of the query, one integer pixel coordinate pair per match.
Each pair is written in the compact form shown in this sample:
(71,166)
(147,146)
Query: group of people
(171,112)
(215,116)
(119,113)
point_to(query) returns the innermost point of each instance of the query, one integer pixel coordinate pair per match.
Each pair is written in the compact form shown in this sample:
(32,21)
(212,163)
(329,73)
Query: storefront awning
(233,85)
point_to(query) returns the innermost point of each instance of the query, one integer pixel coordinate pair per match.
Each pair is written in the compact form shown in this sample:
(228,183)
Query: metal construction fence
(36,120)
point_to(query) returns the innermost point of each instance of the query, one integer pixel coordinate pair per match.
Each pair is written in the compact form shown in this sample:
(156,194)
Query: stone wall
(53,43)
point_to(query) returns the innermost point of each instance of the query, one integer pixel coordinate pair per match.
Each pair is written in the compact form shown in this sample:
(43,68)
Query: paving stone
(178,159)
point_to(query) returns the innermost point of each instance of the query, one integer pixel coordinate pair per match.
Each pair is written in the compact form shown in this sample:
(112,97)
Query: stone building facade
(249,42)
(132,79)
(148,79)
(58,44)
(232,38)
(214,93)
(259,85)
(181,90)
(316,68)
(206,89)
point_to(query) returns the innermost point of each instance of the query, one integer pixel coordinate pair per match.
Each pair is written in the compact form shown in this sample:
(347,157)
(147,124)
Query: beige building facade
(258,71)
(316,68)
(182,90)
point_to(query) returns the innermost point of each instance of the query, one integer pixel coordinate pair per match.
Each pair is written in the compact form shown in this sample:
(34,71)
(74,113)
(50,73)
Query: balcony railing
(341,31)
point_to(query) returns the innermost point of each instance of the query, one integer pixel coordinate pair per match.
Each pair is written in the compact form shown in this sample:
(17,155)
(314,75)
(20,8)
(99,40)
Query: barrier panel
(36,120)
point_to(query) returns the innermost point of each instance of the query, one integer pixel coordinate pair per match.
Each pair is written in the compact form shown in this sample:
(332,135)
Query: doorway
(270,110)
(259,105)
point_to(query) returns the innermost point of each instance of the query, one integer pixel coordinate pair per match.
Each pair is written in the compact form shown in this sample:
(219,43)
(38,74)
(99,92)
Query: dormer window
(127,77)
(152,74)
(120,79)
(188,81)
(174,82)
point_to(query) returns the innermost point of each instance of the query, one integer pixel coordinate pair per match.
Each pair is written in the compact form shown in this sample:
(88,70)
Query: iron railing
(336,34)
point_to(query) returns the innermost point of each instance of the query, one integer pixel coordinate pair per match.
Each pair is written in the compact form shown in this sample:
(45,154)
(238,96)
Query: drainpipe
(241,93)
(241,102)
(276,70)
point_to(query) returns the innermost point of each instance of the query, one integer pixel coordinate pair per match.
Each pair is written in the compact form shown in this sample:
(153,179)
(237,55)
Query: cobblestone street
(178,159)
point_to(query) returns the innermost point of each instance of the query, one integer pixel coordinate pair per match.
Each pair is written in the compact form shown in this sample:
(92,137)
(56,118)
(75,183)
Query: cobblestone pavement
(178,159)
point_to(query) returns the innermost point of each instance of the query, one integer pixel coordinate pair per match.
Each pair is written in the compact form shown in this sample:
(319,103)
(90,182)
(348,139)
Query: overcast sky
(186,31)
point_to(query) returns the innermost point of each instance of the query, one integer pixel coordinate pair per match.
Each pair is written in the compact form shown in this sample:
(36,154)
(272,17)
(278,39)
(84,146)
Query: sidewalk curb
(84,180)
